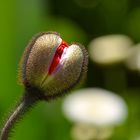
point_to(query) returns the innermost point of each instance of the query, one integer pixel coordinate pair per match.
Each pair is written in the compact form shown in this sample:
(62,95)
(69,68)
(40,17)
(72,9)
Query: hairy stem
(25,104)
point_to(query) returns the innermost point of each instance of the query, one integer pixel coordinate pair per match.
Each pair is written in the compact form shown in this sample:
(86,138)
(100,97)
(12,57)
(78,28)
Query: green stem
(25,104)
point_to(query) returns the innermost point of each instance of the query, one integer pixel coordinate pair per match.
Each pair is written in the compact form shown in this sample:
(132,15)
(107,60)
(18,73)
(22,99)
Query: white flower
(133,58)
(88,132)
(95,106)
(109,49)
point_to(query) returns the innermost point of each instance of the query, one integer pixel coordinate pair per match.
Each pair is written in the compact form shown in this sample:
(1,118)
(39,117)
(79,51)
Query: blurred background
(109,29)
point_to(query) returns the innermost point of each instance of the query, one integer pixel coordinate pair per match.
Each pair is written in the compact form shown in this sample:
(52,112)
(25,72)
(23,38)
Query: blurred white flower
(95,106)
(133,58)
(109,49)
(83,132)
(88,132)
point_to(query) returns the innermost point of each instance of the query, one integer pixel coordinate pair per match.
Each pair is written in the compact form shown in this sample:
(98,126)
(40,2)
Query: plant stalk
(25,104)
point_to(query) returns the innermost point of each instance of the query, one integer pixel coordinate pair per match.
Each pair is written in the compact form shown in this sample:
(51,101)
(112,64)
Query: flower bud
(52,66)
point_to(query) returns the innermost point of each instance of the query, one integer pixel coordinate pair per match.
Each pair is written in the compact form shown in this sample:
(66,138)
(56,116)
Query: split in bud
(52,66)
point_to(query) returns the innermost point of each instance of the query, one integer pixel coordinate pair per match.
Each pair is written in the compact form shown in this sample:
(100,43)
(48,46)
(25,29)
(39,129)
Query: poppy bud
(52,66)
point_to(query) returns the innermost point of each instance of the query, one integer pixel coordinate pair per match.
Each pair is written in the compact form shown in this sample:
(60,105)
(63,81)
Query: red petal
(57,57)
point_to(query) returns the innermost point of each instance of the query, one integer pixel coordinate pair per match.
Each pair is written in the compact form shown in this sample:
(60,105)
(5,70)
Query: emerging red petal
(57,57)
